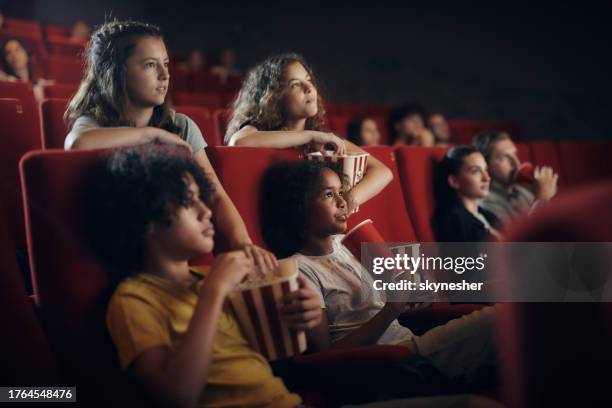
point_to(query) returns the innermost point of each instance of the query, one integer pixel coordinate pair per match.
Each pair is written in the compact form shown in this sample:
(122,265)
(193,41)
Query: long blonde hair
(259,102)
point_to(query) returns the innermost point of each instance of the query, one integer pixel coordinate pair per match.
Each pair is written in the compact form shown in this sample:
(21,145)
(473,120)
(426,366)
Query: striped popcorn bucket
(257,306)
(353,165)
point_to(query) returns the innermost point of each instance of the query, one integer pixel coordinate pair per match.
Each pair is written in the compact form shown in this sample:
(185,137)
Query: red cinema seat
(71,287)
(416,166)
(463,131)
(544,343)
(221,119)
(19,90)
(337,124)
(585,162)
(65,70)
(546,153)
(54,30)
(204,120)
(240,170)
(206,82)
(21,134)
(179,80)
(25,354)
(28,26)
(387,209)
(523,152)
(209,101)
(64,91)
(53,126)
(234,83)
(65,46)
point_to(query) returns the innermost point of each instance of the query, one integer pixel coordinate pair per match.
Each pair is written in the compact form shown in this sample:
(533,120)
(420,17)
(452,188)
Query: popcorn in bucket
(353,165)
(257,306)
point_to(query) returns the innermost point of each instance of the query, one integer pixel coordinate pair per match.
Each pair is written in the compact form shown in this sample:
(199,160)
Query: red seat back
(585,162)
(544,342)
(546,153)
(387,209)
(206,82)
(240,170)
(25,354)
(416,166)
(28,26)
(64,91)
(54,127)
(523,152)
(209,101)
(65,46)
(463,131)
(21,133)
(66,70)
(54,30)
(72,288)
(221,119)
(204,120)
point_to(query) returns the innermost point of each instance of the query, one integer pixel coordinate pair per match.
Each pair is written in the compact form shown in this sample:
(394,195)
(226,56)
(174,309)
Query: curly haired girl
(279,106)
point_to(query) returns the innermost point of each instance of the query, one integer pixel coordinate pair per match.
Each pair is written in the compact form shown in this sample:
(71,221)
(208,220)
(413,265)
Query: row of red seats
(47,130)
(53,40)
(70,285)
(64,335)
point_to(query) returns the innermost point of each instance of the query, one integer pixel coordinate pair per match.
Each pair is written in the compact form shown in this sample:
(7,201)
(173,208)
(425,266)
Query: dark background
(546,67)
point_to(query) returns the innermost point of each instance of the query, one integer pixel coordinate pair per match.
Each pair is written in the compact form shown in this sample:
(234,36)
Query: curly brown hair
(259,102)
(102,92)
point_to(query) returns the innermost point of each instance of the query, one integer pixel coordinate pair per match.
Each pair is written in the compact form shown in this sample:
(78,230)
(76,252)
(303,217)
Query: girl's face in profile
(472,180)
(299,93)
(146,73)
(16,55)
(328,212)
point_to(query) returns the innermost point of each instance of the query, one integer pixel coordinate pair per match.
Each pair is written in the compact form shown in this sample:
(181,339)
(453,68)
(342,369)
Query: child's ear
(453,182)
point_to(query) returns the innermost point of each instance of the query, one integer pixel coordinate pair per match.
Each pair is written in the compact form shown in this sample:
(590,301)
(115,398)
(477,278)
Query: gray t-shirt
(345,290)
(188,130)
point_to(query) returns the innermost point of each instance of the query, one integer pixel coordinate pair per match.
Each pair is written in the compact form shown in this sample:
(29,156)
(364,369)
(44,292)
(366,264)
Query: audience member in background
(20,66)
(1,20)
(227,65)
(80,31)
(363,131)
(279,106)
(122,101)
(440,129)
(462,182)
(407,126)
(195,62)
(149,210)
(304,213)
(507,199)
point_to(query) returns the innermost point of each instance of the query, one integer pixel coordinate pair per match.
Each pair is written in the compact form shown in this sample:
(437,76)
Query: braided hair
(102,92)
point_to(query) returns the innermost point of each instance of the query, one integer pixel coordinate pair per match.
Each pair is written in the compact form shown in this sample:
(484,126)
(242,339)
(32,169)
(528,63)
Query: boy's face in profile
(191,232)
(328,212)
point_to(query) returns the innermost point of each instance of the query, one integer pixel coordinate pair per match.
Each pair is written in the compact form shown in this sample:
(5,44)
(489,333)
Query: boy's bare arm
(178,378)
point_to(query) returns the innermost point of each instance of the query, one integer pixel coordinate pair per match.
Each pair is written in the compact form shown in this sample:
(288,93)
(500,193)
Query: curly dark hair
(130,189)
(287,192)
(260,100)
(102,92)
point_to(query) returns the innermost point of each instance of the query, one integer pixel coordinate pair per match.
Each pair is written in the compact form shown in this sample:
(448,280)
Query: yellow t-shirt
(148,311)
